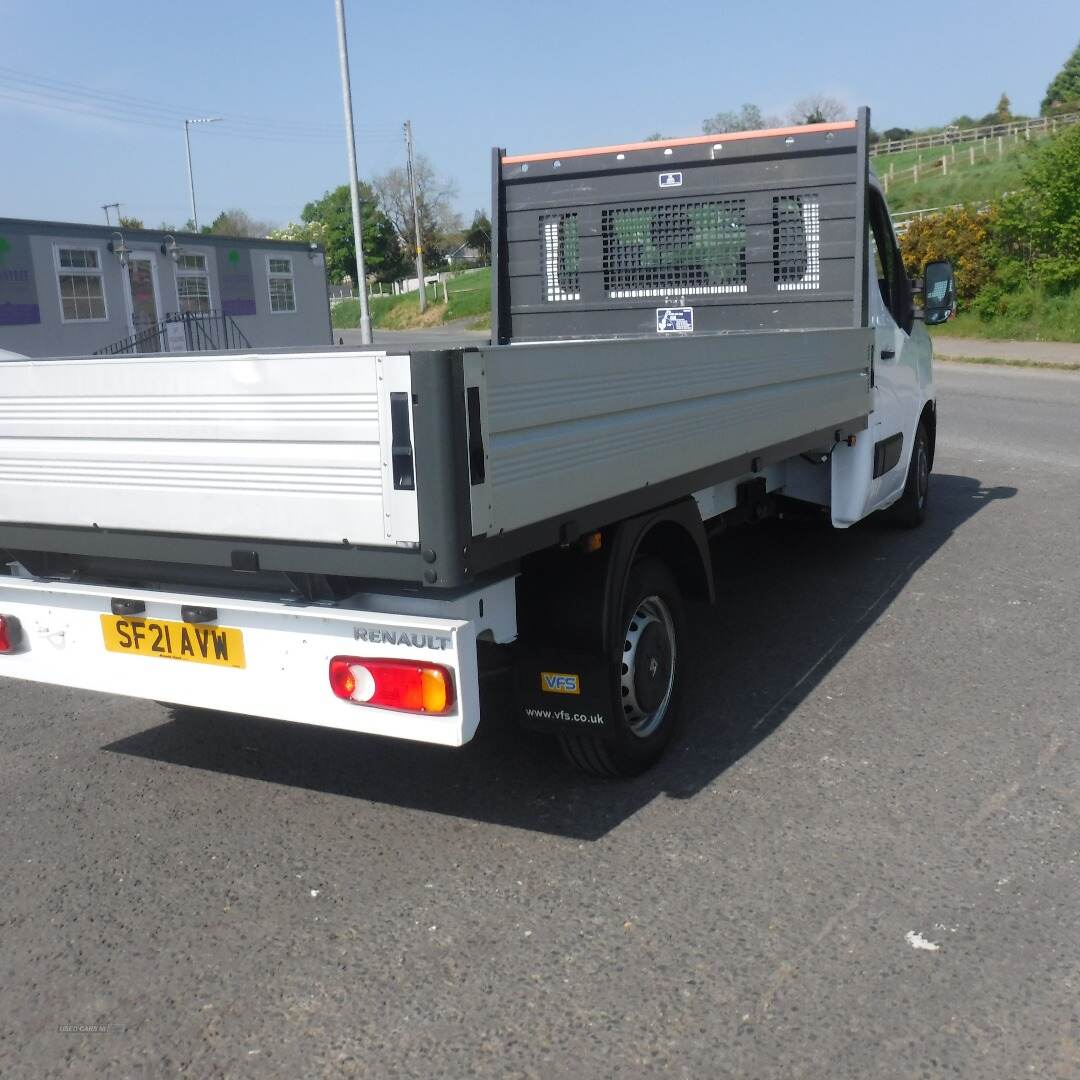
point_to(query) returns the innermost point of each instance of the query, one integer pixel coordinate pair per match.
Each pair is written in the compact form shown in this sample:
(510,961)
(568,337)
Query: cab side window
(889,265)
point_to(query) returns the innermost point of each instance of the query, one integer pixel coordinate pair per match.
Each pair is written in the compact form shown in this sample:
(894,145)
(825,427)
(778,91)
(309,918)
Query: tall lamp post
(354,180)
(190,177)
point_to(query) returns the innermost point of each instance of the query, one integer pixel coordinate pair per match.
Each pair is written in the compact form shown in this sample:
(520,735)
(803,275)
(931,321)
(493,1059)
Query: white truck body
(217,531)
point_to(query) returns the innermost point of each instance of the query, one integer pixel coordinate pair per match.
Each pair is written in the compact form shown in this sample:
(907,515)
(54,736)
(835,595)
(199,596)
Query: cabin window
(192,284)
(81,285)
(282,289)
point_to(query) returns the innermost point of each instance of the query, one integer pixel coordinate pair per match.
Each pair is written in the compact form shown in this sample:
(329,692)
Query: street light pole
(190,175)
(416,221)
(354,179)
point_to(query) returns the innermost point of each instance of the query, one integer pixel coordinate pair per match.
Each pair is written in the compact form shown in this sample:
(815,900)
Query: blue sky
(469,74)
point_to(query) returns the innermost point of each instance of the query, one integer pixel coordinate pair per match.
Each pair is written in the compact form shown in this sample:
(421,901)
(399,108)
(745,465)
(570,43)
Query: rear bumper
(287,649)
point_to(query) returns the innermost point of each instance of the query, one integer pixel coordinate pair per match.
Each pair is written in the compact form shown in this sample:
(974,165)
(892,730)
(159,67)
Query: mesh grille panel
(685,248)
(560,254)
(796,242)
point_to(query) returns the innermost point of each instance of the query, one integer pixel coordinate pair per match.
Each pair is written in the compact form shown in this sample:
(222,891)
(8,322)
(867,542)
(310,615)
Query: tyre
(909,510)
(648,676)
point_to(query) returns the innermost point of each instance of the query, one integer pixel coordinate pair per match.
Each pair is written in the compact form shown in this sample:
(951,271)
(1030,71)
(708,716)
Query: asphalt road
(860,859)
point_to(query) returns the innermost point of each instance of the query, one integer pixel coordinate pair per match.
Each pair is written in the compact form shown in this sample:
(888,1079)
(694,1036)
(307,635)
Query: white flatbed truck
(686,334)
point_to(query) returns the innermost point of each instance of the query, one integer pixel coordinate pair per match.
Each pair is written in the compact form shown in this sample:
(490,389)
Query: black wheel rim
(922,474)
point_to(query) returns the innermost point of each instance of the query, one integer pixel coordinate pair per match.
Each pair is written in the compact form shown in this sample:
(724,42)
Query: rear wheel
(909,510)
(648,673)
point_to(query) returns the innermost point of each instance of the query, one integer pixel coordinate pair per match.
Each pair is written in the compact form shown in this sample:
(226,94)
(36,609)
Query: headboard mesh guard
(762,232)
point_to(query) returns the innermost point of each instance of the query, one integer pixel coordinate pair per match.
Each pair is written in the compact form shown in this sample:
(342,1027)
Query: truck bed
(290,461)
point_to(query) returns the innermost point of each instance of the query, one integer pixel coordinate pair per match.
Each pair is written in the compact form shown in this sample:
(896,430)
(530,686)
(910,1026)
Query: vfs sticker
(554,682)
(675,320)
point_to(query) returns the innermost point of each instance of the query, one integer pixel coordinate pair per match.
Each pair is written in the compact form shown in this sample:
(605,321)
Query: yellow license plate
(219,645)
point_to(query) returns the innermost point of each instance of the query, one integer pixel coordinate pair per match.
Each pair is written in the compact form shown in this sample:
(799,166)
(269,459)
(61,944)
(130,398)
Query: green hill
(960,181)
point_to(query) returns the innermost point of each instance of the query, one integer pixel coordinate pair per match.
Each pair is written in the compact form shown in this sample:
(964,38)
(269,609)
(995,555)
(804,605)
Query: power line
(74,99)
(68,89)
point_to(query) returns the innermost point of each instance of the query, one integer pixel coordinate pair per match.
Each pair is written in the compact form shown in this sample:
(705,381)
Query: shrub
(962,236)
(1039,225)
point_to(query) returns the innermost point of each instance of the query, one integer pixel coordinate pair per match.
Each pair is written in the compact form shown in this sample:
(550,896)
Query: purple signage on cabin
(19,314)
(235,281)
(18,290)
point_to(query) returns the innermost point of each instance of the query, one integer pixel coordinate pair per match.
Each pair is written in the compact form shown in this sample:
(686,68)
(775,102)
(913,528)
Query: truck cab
(904,417)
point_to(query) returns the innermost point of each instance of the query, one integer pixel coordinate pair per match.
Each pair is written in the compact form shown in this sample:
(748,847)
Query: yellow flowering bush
(961,235)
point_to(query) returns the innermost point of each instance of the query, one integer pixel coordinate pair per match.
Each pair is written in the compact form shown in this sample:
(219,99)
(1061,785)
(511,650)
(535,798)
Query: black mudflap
(558,689)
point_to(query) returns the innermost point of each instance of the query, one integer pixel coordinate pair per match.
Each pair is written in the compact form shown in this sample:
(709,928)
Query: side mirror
(939,292)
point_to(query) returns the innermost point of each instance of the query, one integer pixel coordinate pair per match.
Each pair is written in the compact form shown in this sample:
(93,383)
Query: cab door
(901,359)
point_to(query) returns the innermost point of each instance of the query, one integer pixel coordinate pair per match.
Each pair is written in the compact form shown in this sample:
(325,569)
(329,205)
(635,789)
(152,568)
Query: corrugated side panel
(572,424)
(281,446)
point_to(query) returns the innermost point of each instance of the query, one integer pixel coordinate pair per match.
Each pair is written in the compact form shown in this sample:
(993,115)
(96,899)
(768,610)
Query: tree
(748,118)
(434,198)
(1064,89)
(1040,223)
(656,136)
(895,134)
(131,223)
(328,221)
(478,234)
(1002,114)
(237,223)
(816,109)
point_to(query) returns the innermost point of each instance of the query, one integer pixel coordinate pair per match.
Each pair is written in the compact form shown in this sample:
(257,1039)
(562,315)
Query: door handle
(888,354)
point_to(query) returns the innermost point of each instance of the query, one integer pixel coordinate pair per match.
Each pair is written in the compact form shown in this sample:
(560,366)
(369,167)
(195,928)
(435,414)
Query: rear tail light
(10,634)
(393,684)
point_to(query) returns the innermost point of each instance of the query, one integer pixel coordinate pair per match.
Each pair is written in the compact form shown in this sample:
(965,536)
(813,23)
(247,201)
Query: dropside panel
(567,425)
(285,446)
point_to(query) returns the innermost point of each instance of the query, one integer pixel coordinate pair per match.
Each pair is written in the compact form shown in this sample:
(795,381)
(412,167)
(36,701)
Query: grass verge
(1030,314)
(469,296)
(994,361)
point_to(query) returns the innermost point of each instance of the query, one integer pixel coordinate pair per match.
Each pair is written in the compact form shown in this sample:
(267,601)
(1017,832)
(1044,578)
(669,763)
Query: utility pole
(354,179)
(111,206)
(190,176)
(416,219)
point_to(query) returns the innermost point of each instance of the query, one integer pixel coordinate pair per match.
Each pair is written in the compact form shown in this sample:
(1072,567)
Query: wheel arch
(675,535)
(928,418)
(685,554)
(577,597)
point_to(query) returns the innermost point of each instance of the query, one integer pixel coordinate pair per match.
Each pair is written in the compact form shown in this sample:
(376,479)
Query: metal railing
(1026,128)
(183,331)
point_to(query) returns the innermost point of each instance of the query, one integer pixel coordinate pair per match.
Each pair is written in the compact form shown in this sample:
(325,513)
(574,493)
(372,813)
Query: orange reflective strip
(694,140)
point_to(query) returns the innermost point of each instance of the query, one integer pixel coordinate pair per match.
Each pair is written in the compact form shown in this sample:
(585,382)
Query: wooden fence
(1016,129)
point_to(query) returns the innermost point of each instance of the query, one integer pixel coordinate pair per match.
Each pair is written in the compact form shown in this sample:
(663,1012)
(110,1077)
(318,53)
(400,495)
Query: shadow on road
(793,599)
